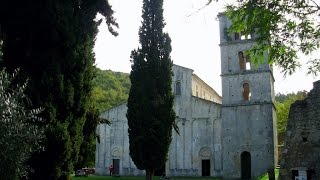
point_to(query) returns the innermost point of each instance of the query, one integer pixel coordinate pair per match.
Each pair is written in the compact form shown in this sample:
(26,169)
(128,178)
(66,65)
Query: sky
(195,42)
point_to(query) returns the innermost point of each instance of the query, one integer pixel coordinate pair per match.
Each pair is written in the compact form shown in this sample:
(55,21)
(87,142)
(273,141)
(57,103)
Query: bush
(19,136)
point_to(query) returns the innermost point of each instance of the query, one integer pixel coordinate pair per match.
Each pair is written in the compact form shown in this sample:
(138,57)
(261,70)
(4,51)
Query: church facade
(197,108)
(231,136)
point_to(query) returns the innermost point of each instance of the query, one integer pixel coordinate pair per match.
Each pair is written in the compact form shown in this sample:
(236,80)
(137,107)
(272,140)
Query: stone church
(233,136)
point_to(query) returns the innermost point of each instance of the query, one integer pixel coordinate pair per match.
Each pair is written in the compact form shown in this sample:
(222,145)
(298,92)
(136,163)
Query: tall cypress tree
(150,113)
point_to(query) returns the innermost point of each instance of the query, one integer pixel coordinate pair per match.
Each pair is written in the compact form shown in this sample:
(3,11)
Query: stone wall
(247,128)
(199,121)
(200,128)
(114,143)
(301,152)
(199,139)
(203,90)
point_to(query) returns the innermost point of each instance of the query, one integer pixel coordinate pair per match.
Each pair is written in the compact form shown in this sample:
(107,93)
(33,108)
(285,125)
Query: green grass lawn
(265,177)
(140,178)
(110,178)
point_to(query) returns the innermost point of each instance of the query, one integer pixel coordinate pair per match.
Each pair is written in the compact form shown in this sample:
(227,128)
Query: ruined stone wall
(302,145)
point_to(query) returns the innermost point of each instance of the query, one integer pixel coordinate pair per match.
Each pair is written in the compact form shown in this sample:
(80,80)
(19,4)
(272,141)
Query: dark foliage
(52,43)
(88,146)
(150,114)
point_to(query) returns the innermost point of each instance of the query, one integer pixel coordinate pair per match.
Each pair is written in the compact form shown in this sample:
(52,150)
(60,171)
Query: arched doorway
(245,165)
(116,167)
(206,155)
(205,167)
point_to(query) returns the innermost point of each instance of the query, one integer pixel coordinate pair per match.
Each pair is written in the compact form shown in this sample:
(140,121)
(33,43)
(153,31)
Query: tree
(52,43)
(110,89)
(283,104)
(150,114)
(88,145)
(19,136)
(283,28)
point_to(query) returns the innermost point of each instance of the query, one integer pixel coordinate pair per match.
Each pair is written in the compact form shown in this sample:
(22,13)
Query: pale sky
(195,42)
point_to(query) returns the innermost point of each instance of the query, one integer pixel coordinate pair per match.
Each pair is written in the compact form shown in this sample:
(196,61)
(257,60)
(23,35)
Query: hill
(110,88)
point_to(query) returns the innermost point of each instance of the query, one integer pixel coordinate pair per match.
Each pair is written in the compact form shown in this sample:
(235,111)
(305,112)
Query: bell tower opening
(248,63)
(246,94)
(242,62)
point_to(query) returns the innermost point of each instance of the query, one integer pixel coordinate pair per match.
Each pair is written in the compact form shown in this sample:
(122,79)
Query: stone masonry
(231,137)
(301,154)
(248,132)
(197,108)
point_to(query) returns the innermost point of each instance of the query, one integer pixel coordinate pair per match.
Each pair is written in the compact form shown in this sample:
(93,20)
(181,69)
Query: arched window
(242,36)
(242,61)
(248,63)
(246,94)
(178,88)
(236,36)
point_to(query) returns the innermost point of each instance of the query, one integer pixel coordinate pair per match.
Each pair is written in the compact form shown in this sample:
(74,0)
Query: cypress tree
(52,43)
(150,113)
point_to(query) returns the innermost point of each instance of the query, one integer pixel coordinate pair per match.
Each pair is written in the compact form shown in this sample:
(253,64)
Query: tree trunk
(149,174)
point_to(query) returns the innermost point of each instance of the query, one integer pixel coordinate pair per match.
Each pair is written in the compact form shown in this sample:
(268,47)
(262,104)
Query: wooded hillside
(110,88)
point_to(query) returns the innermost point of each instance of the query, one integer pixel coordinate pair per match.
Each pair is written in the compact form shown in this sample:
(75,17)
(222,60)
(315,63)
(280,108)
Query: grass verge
(264,177)
(141,178)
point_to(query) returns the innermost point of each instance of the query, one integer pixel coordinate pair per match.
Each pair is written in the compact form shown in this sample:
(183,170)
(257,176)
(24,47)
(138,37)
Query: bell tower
(249,139)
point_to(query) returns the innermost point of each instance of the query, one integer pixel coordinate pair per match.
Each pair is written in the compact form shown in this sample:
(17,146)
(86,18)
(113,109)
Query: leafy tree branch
(284,29)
